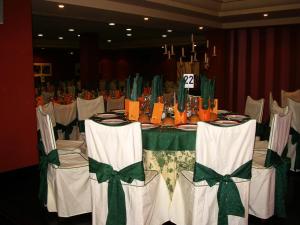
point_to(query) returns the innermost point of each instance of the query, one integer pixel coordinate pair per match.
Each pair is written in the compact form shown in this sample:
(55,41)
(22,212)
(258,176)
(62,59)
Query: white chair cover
(262,185)
(48,109)
(294,95)
(68,184)
(223,149)
(294,107)
(276,109)
(115,103)
(146,202)
(254,108)
(64,115)
(88,108)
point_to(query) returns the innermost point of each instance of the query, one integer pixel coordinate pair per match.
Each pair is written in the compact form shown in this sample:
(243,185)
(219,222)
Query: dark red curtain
(259,61)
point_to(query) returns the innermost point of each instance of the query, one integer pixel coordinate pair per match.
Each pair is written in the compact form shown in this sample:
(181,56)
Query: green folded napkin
(134,92)
(181,95)
(204,91)
(127,93)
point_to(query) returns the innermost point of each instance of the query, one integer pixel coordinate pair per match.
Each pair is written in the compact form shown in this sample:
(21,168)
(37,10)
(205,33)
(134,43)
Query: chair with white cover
(254,108)
(64,174)
(218,190)
(294,140)
(66,123)
(122,192)
(276,109)
(115,103)
(285,95)
(88,108)
(268,185)
(48,109)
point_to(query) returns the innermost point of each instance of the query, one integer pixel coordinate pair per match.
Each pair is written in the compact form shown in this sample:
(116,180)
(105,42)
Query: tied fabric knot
(67,130)
(282,166)
(296,141)
(229,200)
(51,158)
(116,197)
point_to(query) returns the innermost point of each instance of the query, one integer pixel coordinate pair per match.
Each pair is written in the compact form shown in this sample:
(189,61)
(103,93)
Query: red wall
(18,123)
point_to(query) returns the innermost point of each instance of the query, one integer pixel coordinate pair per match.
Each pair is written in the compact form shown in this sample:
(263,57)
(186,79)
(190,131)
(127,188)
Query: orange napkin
(133,110)
(180,117)
(157,113)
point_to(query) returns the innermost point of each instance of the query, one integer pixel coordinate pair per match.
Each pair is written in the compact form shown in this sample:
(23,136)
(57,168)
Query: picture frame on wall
(42,69)
(1,11)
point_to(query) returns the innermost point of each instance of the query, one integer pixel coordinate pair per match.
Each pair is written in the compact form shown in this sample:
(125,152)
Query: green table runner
(164,139)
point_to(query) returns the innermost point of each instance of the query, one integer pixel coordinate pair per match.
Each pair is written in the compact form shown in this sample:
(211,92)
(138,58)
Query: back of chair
(118,146)
(285,95)
(115,103)
(276,109)
(224,149)
(294,107)
(65,114)
(88,108)
(46,130)
(254,108)
(279,133)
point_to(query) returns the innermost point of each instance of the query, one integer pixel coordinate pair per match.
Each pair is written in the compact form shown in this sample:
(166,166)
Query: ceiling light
(43,48)
(266,14)
(201,28)
(169,31)
(71,29)
(60,38)
(195,45)
(164,35)
(162,46)
(128,29)
(108,40)
(61,6)
(40,35)
(78,35)
(128,35)
(146,18)
(111,24)
(71,53)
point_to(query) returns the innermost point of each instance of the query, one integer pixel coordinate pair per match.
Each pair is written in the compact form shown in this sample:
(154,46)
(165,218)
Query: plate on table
(236,117)
(225,122)
(220,111)
(106,115)
(147,126)
(187,127)
(113,121)
(119,111)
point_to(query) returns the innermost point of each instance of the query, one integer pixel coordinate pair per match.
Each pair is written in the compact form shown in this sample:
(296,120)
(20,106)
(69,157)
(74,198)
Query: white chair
(122,193)
(285,95)
(64,181)
(276,109)
(115,103)
(48,109)
(219,186)
(254,108)
(88,108)
(65,117)
(294,140)
(267,175)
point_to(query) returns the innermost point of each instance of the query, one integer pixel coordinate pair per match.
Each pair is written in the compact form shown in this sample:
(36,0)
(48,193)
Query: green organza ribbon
(229,200)
(282,166)
(296,140)
(67,130)
(45,159)
(116,197)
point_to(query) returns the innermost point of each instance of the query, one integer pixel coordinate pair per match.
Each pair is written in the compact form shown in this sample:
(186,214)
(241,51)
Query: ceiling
(183,17)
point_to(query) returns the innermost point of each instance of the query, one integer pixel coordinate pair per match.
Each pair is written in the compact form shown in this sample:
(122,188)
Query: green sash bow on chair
(229,200)
(282,166)
(45,159)
(116,197)
(65,129)
(296,140)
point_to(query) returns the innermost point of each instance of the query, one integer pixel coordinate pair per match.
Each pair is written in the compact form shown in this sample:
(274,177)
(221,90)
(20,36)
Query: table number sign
(189,80)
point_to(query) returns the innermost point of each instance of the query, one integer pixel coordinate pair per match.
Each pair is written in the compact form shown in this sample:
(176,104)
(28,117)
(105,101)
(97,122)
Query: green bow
(282,165)
(296,140)
(229,200)
(45,159)
(116,197)
(65,129)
